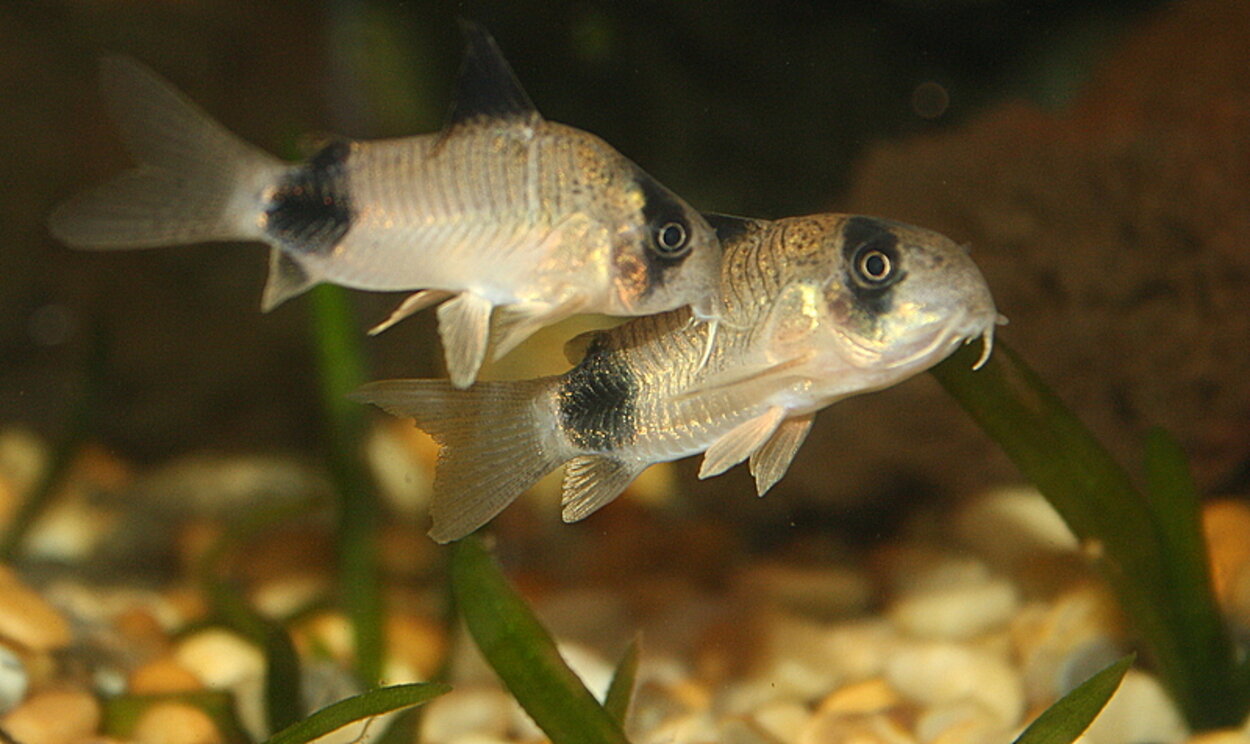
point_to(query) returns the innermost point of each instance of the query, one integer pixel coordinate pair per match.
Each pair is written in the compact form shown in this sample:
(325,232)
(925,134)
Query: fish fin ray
(492,448)
(487,87)
(745,375)
(513,324)
(412,304)
(771,461)
(464,327)
(193,177)
(729,228)
(287,278)
(740,442)
(591,481)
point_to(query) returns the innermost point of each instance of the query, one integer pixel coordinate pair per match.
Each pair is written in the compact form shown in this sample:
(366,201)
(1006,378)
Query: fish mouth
(963,327)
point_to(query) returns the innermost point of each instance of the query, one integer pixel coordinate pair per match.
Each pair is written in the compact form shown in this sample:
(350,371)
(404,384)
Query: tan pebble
(825,593)
(1223,736)
(1011,525)
(858,650)
(53,717)
(961,722)
(1061,644)
(688,727)
(175,723)
(466,710)
(740,730)
(329,631)
(28,620)
(1139,711)
(220,658)
(419,642)
(1226,525)
(868,696)
(941,672)
(162,675)
(956,607)
(839,728)
(285,596)
(782,719)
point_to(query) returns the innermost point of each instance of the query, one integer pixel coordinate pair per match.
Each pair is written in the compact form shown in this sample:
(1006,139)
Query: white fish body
(814,309)
(502,209)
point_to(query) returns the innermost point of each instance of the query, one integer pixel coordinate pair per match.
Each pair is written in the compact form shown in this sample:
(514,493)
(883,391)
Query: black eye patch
(873,263)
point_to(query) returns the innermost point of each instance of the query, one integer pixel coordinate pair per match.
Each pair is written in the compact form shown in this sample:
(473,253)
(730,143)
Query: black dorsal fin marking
(728,228)
(487,86)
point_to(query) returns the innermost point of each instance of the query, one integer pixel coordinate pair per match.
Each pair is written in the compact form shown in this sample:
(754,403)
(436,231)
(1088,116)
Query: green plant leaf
(523,654)
(621,691)
(1148,548)
(372,703)
(1068,718)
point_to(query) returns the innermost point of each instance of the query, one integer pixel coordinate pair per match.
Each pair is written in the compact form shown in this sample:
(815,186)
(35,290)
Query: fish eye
(875,267)
(672,239)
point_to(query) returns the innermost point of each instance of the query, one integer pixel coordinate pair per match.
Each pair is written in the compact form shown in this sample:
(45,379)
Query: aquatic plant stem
(1158,573)
(341,370)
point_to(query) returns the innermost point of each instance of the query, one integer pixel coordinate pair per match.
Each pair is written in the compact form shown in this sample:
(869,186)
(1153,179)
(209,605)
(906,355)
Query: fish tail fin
(195,181)
(493,444)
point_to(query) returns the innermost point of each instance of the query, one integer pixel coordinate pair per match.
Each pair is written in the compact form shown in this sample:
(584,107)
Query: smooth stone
(162,675)
(479,710)
(1058,646)
(938,672)
(739,730)
(782,719)
(869,696)
(956,607)
(53,717)
(175,723)
(1139,711)
(14,680)
(27,619)
(286,596)
(1011,525)
(842,728)
(960,722)
(857,650)
(219,658)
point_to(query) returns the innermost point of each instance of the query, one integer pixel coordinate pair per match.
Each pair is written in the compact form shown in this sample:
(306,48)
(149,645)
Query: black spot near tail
(311,210)
(597,402)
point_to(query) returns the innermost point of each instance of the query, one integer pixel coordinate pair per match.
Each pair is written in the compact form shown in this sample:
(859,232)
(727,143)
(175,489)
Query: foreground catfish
(502,212)
(814,309)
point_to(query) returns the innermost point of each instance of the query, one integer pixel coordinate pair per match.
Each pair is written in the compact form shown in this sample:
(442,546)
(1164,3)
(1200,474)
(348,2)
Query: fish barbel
(813,309)
(501,214)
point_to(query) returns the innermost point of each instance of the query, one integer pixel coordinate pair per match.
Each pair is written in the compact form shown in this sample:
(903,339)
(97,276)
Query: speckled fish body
(502,213)
(813,309)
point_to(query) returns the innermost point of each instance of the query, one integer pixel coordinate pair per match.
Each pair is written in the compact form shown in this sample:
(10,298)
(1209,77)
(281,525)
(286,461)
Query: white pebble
(934,673)
(961,722)
(220,658)
(956,607)
(838,728)
(1061,645)
(1010,525)
(857,650)
(782,719)
(13,679)
(1139,711)
(467,709)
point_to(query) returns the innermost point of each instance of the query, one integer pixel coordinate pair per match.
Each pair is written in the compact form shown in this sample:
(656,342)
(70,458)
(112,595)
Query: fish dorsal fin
(487,87)
(575,348)
(770,462)
(286,280)
(729,228)
(590,481)
(741,442)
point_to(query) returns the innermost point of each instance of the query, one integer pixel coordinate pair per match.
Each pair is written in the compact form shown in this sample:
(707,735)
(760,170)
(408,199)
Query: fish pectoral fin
(464,327)
(740,442)
(591,481)
(745,375)
(514,323)
(412,304)
(770,462)
(286,280)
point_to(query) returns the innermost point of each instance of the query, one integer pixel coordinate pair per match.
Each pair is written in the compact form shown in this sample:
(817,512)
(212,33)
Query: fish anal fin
(412,304)
(286,280)
(740,442)
(464,327)
(591,481)
(513,324)
(487,87)
(771,461)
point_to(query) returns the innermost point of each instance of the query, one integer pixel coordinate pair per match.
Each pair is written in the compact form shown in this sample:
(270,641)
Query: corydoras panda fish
(500,211)
(813,309)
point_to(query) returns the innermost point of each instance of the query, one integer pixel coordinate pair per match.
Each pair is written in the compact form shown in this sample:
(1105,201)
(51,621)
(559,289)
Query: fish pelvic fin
(195,181)
(492,448)
(512,324)
(412,304)
(591,481)
(464,327)
(740,442)
(771,461)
